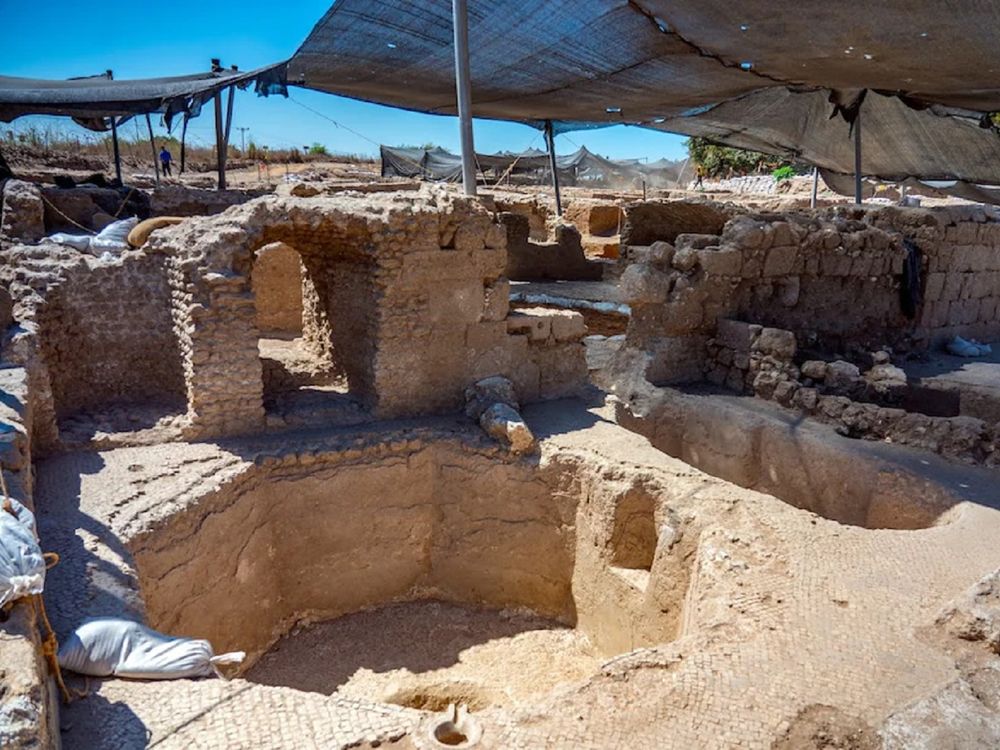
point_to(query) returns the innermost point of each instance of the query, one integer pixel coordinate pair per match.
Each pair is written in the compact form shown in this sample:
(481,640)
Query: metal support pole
(857,159)
(812,201)
(220,146)
(118,153)
(550,140)
(184,132)
(460,20)
(152,145)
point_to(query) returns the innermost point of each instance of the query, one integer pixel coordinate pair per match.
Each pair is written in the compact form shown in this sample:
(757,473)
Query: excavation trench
(421,577)
(756,445)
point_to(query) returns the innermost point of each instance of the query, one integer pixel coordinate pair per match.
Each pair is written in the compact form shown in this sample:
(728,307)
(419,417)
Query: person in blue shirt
(165,159)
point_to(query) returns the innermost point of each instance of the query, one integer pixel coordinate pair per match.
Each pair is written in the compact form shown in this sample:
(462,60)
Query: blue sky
(65,38)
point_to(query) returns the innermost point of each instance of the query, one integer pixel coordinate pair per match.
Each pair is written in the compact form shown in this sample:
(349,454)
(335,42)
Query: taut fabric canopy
(91,100)
(762,74)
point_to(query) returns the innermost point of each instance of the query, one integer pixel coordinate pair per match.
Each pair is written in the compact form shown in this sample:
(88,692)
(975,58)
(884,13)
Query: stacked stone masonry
(403,296)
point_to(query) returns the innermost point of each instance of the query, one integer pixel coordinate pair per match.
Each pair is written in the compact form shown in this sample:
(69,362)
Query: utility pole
(243,141)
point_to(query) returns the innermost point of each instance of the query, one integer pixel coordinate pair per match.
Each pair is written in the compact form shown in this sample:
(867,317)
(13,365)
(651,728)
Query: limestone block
(505,424)
(975,615)
(814,369)
(744,232)
(644,284)
(780,260)
(484,393)
(567,325)
(776,342)
(685,259)
(470,237)
(695,241)
(935,286)
(537,327)
(562,369)
(496,304)
(721,262)
(22,213)
(841,375)
(735,335)
(661,254)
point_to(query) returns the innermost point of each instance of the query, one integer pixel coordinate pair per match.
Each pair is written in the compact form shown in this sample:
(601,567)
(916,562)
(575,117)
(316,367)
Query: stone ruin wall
(834,278)
(29,701)
(91,333)
(277,285)
(107,336)
(405,295)
(563,259)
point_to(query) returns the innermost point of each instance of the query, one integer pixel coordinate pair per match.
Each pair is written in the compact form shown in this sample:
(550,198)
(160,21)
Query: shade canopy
(91,101)
(761,74)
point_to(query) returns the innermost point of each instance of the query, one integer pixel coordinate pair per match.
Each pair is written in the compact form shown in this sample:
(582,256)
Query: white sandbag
(106,646)
(76,241)
(22,514)
(962,348)
(114,236)
(22,567)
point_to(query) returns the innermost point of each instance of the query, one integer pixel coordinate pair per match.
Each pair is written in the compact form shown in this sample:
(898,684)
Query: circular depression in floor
(429,654)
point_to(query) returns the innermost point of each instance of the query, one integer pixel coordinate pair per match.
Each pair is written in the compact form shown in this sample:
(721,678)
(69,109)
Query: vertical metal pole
(118,153)
(812,201)
(460,20)
(220,145)
(550,140)
(857,159)
(184,131)
(152,146)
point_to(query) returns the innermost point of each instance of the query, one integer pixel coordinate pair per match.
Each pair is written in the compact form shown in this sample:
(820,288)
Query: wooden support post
(550,140)
(460,21)
(117,150)
(220,146)
(815,191)
(152,146)
(857,159)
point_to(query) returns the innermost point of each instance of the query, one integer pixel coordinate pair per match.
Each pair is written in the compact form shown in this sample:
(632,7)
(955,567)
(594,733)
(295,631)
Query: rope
(514,163)
(50,645)
(350,130)
(122,206)
(74,223)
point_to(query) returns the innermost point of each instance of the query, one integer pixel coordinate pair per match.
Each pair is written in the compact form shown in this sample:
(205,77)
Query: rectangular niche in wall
(634,537)
(305,376)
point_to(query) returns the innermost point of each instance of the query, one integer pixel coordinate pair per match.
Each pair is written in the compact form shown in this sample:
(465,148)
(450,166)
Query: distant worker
(165,159)
(699,177)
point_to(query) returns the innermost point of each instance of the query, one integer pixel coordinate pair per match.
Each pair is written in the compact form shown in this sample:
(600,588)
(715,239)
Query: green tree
(720,161)
(318,149)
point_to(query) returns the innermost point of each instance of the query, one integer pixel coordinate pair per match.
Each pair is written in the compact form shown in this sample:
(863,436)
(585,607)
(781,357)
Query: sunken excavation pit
(432,508)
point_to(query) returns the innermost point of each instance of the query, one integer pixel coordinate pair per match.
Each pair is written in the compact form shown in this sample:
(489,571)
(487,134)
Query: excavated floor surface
(783,610)
(428,654)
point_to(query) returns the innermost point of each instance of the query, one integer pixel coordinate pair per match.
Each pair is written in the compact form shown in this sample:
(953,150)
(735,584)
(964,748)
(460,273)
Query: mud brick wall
(277,287)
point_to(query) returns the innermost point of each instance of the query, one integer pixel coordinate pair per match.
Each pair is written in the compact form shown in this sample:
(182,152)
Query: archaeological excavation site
(429,457)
